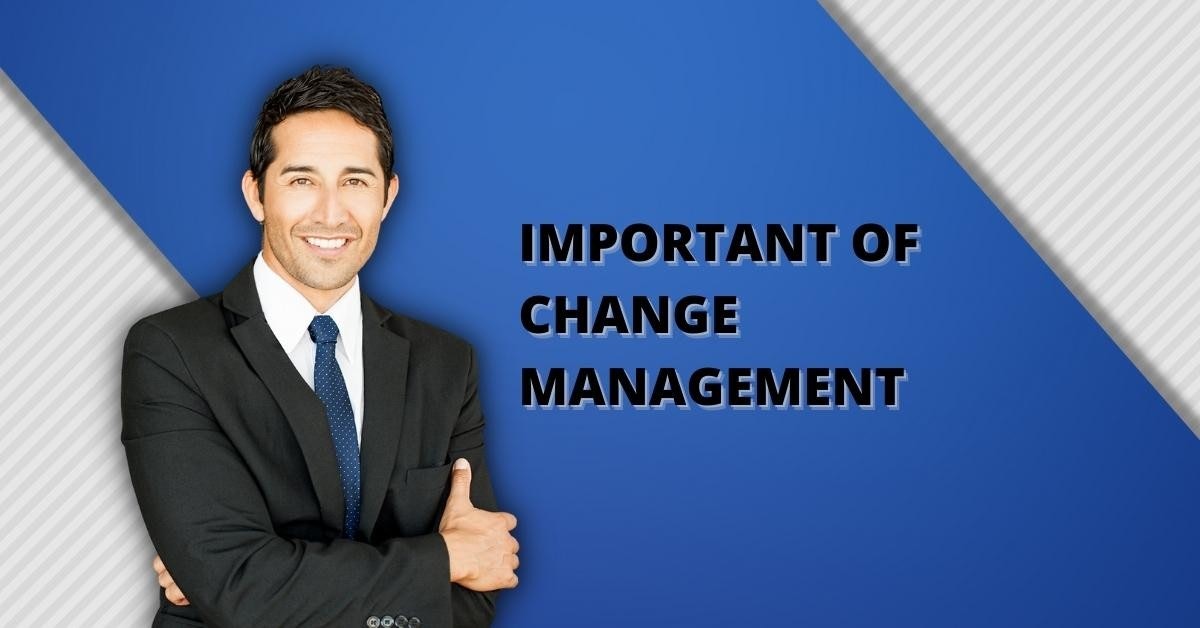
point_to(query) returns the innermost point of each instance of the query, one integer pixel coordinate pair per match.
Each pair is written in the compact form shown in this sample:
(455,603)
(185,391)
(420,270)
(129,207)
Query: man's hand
(483,554)
(174,595)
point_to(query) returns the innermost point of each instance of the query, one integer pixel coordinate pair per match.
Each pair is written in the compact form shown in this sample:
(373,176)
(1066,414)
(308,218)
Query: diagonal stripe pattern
(1081,121)
(77,274)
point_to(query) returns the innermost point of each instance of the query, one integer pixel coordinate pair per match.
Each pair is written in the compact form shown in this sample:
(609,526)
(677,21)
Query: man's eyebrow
(293,168)
(311,170)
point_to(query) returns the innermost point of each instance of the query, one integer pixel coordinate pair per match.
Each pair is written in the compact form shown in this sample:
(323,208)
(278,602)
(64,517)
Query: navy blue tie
(331,388)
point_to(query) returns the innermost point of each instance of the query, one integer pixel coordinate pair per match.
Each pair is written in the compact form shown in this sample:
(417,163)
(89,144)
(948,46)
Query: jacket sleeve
(472,608)
(208,520)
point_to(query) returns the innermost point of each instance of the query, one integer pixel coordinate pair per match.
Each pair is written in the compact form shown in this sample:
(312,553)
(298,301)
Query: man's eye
(301,181)
(355,182)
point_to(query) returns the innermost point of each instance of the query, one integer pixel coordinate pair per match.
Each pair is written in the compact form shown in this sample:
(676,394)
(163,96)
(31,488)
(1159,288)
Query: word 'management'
(710,387)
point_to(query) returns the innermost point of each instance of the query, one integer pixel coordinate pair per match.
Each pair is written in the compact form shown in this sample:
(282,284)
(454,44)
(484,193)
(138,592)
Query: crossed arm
(214,530)
(474,535)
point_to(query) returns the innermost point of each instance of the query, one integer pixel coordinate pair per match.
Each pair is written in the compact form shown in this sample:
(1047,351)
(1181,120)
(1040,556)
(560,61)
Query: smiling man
(301,455)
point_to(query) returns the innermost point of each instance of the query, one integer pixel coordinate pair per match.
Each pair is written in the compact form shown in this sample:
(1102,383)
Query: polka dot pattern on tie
(330,386)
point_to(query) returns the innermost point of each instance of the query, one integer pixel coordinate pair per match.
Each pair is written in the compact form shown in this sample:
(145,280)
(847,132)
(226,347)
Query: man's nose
(330,210)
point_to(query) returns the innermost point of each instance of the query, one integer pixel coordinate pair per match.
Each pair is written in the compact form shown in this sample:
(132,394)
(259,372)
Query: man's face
(324,197)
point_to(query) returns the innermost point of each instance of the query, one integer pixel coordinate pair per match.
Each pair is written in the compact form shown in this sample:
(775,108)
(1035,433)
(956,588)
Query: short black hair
(320,88)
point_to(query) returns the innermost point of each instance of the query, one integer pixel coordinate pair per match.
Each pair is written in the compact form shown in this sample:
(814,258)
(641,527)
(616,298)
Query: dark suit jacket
(234,470)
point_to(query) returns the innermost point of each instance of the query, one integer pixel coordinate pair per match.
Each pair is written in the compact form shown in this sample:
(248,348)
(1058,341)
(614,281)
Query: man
(290,441)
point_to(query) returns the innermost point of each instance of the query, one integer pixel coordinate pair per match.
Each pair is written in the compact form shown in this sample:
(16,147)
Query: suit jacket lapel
(385,371)
(299,403)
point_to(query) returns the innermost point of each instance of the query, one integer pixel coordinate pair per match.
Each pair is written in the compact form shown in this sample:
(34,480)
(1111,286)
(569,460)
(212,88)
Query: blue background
(1031,477)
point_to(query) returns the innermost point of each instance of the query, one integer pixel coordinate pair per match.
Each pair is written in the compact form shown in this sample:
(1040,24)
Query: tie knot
(322,329)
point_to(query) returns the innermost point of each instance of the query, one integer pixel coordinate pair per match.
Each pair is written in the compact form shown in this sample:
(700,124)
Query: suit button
(386,622)
(372,622)
(401,621)
(414,622)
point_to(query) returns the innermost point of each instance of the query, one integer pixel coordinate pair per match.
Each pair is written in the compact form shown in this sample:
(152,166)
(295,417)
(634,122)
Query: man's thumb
(460,484)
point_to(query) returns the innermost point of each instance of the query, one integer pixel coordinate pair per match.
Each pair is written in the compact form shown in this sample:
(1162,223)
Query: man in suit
(302,456)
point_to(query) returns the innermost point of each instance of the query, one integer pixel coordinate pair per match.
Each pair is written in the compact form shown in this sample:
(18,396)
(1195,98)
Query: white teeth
(326,244)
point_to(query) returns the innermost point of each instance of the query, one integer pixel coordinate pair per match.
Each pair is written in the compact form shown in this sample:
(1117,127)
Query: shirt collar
(289,314)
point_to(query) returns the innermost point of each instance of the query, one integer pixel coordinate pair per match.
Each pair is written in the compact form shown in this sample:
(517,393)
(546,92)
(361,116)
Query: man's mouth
(325,243)
(326,246)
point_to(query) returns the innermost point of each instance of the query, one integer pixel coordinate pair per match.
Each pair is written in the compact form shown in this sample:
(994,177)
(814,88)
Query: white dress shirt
(289,314)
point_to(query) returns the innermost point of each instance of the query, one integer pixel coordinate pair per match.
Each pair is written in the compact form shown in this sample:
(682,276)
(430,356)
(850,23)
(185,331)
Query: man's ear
(393,189)
(250,192)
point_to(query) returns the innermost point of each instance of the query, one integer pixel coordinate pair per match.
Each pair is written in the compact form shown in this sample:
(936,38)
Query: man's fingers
(513,561)
(510,521)
(165,580)
(175,596)
(460,484)
(159,567)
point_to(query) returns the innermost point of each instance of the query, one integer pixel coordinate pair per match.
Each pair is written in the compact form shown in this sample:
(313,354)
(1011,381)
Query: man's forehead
(319,139)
